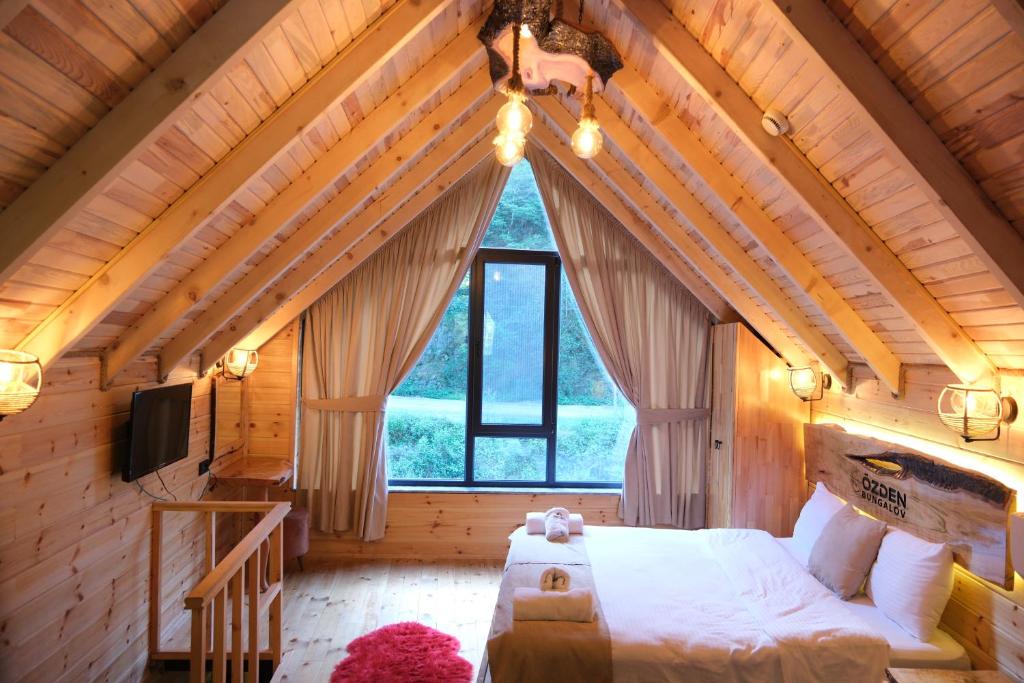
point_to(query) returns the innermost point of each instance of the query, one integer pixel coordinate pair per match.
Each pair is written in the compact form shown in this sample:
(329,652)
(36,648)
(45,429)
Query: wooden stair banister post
(226,580)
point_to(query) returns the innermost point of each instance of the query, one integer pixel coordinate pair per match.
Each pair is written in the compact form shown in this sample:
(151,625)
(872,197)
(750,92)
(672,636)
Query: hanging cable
(139,484)
(166,487)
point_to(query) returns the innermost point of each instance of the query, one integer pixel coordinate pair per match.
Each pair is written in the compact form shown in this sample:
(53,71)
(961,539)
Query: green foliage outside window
(427,413)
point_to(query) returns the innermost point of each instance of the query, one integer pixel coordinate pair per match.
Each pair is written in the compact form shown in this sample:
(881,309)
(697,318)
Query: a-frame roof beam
(680,198)
(358,240)
(908,140)
(435,75)
(379,174)
(611,175)
(734,199)
(342,266)
(129,128)
(815,194)
(356,64)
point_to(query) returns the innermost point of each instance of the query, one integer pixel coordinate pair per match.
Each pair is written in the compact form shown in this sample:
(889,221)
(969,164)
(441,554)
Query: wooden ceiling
(178,176)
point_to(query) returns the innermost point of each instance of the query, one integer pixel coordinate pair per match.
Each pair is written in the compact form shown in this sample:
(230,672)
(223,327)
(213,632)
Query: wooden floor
(330,604)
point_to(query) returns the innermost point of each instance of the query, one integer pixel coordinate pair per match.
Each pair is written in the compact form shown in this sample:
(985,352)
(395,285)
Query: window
(509,391)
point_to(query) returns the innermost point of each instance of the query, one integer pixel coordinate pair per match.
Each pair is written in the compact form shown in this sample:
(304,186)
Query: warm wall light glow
(974,412)
(514,117)
(21,378)
(240,363)
(808,384)
(509,149)
(587,141)
(1011,474)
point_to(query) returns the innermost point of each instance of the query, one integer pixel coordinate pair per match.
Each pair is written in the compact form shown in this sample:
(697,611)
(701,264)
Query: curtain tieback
(648,416)
(349,404)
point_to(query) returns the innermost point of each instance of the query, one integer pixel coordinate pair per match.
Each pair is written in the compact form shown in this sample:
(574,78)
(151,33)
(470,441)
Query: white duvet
(723,605)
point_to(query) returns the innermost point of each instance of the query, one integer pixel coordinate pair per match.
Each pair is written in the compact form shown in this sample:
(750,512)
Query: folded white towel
(535,523)
(533,604)
(556,525)
(554,579)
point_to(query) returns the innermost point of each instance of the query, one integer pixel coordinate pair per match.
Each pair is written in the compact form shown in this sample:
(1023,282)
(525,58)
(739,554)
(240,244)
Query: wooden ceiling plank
(10,9)
(733,198)
(908,140)
(679,197)
(606,180)
(1013,13)
(378,175)
(818,198)
(126,131)
(338,161)
(347,71)
(346,250)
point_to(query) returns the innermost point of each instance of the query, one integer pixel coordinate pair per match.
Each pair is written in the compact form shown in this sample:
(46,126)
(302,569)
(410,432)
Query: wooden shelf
(266,472)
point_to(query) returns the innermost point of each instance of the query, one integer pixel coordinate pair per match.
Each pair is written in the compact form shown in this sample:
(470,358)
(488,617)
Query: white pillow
(911,582)
(816,513)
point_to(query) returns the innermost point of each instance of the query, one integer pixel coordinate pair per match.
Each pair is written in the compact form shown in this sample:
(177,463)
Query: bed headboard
(922,494)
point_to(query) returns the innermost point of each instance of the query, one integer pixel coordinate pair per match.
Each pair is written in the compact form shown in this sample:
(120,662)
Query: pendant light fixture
(530,51)
(514,119)
(587,140)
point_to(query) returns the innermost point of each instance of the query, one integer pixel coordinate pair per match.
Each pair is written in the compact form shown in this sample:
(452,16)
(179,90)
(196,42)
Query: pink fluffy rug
(403,653)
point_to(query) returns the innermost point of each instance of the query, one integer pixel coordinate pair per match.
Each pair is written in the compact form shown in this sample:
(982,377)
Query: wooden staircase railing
(241,574)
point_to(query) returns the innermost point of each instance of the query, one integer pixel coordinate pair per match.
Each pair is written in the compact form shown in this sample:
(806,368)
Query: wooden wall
(756,475)
(987,620)
(459,524)
(74,539)
(272,395)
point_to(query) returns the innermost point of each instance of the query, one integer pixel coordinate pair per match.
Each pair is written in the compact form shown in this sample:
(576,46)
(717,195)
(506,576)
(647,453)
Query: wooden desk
(258,472)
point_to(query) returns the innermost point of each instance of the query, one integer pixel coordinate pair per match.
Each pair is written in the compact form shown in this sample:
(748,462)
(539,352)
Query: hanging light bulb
(509,148)
(514,116)
(587,141)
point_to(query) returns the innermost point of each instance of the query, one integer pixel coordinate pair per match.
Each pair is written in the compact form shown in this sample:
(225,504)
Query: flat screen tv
(158,431)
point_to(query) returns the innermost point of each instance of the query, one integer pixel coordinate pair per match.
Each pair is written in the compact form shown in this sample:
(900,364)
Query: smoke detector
(775,122)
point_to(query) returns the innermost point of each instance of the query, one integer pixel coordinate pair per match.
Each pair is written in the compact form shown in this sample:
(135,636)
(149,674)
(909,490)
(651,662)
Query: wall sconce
(973,412)
(21,378)
(808,383)
(240,363)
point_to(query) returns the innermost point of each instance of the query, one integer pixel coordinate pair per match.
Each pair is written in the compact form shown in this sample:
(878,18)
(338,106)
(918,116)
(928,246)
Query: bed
(724,604)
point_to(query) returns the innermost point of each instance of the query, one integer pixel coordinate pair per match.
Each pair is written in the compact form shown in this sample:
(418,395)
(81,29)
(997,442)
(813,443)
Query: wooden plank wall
(272,396)
(756,477)
(74,539)
(430,525)
(986,619)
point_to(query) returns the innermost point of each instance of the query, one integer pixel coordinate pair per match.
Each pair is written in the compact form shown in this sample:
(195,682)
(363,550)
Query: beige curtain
(364,336)
(654,339)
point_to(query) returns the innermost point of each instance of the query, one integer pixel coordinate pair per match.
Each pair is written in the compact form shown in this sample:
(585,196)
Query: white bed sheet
(722,606)
(905,651)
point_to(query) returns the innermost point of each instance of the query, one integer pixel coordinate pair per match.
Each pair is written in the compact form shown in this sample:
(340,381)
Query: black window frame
(475,427)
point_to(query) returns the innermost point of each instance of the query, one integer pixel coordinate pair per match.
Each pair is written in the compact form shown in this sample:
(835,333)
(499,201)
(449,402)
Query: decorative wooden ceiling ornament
(529,51)
(919,493)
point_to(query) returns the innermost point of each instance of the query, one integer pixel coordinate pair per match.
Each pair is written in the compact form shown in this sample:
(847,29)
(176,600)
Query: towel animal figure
(535,523)
(554,579)
(556,525)
(533,604)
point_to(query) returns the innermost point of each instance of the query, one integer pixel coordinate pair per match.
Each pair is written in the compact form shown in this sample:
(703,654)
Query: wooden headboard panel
(922,494)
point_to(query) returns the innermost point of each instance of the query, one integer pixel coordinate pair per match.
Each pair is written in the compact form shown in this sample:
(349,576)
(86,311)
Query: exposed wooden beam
(442,167)
(439,72)
(1013,13)
(733,198)
(8,10)
(908,140)
(815,195)
(603,174)
(129,128)
(431,129)
(719,239)
(356,64)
